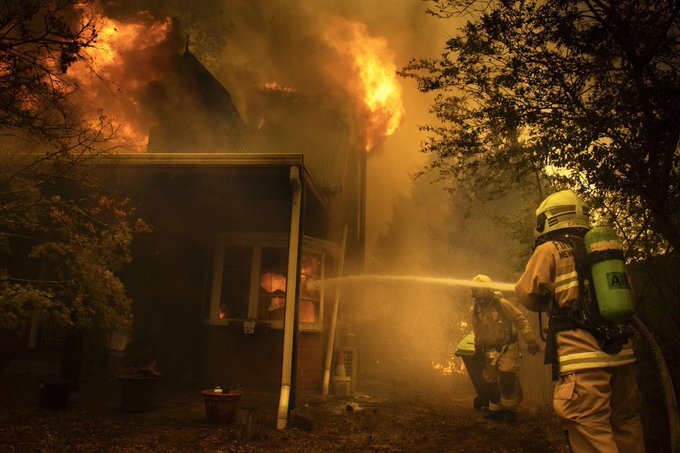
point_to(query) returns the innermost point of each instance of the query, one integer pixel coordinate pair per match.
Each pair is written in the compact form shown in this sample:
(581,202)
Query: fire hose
(666,383)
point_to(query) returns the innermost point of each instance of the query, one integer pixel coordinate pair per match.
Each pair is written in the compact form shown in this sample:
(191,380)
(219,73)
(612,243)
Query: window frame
(258,241)
(316,246)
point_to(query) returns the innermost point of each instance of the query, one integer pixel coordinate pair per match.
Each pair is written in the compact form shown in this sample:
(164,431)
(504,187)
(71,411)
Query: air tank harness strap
(603,255)
(560,320)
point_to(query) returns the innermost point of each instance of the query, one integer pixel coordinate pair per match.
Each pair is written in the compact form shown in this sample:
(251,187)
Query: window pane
(310,272)
(310,299)
(309,311)
(236,282)
(272,292)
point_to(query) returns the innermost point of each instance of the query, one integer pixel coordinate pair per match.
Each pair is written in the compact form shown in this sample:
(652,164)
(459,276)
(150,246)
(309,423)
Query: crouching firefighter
(578,277)
(496,322)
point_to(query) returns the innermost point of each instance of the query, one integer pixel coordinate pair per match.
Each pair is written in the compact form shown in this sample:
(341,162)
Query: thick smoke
(246,44)
(407,329)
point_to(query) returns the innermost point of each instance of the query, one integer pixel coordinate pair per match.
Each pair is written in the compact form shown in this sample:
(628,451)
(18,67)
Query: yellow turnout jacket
(497,322)
(552,271)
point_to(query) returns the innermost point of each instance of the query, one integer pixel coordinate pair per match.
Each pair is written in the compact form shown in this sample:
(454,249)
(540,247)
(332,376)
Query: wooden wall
(170,277)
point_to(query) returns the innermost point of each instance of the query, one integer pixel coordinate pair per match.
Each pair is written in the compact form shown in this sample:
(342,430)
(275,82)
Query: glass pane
(310,300)
(310,272)
(236,282)
(309,311)
(272,292)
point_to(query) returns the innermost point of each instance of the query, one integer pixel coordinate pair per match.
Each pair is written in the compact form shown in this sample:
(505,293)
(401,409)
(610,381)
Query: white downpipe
(291,296)
(334,318)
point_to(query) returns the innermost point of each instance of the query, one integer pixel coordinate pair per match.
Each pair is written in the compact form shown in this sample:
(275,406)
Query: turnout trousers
(500,374)
(599,410)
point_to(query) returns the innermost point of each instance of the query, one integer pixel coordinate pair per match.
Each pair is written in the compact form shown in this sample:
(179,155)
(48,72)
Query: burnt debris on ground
(379,417)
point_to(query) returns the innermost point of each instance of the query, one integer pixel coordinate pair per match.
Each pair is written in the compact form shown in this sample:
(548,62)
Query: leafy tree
(39,40)
(62,236)
(584,94)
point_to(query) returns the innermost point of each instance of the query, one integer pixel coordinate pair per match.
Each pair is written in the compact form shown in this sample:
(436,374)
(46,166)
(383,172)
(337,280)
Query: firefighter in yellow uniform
(596,395)
(496,322)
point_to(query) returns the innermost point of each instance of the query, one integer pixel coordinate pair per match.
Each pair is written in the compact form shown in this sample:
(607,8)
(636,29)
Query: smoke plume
(248,44)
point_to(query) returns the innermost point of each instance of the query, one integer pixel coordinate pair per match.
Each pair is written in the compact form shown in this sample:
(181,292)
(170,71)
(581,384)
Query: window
(272,289)
(250,280)
(235,282)
(310,296)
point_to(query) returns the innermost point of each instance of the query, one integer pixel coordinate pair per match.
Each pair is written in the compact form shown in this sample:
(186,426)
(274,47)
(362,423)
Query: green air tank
(609,275)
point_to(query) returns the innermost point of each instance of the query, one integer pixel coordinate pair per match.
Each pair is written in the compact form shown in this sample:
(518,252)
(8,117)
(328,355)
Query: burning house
(248,208)
(245,219)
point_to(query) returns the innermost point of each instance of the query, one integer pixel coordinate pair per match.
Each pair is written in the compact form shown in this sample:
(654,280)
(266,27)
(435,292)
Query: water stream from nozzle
(441,281)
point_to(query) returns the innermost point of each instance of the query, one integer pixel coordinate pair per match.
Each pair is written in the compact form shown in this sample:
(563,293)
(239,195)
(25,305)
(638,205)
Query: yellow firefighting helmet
(563,209)
(481,292)
(481,278)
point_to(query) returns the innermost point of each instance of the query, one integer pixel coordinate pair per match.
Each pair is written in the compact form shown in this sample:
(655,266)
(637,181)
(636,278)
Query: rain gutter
(200,159)
(291,297)
(213,160)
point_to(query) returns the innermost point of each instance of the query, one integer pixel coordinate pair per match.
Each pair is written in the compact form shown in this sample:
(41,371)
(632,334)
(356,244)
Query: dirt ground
(379,417)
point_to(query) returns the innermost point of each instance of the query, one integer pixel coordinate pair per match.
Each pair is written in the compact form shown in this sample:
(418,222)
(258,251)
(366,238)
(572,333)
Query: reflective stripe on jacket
(598,359)
(551,271)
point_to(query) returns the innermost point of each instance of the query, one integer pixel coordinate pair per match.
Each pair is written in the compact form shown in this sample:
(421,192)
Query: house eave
(213,160)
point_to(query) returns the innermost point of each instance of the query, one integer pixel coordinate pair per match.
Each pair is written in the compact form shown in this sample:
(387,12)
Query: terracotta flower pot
(220,406)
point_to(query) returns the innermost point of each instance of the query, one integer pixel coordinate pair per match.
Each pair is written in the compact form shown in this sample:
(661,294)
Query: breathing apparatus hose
(666,383)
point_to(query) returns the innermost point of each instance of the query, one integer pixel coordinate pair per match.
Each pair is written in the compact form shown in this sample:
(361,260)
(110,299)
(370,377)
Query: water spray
(442,281)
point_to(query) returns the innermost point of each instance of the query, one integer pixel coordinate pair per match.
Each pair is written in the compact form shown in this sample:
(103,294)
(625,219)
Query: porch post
(291,298)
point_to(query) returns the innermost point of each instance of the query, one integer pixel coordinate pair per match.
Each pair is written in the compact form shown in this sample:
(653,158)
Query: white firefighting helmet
(563,209)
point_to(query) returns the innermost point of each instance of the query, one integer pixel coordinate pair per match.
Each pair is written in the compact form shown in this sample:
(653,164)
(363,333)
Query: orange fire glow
(117,67)
(273,86)
(450,366)
(373,79)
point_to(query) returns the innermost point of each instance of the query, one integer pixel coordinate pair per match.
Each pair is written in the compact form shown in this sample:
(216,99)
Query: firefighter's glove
(533,348)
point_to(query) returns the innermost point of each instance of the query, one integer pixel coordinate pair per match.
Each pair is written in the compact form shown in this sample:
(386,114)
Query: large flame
(372,81)
(122,61)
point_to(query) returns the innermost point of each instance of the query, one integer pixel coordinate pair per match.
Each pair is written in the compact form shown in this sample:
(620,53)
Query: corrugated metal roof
(298,125)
